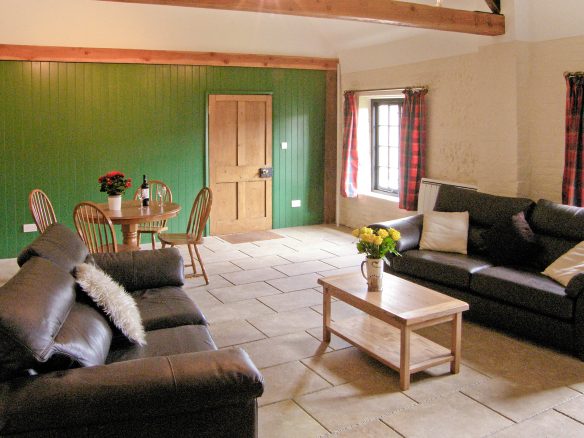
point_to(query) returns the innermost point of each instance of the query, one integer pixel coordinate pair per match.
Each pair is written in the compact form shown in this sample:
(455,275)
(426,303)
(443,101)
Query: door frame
(207,170)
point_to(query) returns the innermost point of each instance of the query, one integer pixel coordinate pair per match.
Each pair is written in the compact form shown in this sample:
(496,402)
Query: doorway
(240,163)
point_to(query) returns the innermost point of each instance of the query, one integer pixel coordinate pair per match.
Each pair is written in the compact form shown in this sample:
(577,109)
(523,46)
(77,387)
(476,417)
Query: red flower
(114,173)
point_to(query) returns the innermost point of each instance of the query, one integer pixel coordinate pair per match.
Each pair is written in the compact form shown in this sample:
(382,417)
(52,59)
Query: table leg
(404,359)
(326,315)
(456,343)
(129,231)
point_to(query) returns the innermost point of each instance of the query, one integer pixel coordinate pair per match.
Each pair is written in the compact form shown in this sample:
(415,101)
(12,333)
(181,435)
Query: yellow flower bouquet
(376,243)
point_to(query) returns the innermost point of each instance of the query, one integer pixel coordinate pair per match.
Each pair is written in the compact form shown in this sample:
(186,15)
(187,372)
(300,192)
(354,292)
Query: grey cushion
(33,306)
(445,268)
(558,220)
(484,209)
(167,307)
(137,270)
(530,290)
(166,342)
(58,244)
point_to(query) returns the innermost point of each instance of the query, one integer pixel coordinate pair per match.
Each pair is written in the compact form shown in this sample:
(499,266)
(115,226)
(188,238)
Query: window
(385,124)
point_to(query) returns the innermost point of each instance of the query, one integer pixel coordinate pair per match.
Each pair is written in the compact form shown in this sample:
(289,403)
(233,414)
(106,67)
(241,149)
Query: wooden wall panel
(62,125)
(330,150)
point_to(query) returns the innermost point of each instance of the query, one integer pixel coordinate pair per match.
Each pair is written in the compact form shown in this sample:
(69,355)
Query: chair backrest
(200,213)
(41,209)
(95,228)
(154,185)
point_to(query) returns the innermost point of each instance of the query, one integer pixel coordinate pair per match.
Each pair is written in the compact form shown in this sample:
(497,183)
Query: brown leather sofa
(66,371)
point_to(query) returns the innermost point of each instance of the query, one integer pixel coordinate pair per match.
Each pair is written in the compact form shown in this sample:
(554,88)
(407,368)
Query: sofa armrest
(143,269)
(575,286)
(131,391)
(410,229)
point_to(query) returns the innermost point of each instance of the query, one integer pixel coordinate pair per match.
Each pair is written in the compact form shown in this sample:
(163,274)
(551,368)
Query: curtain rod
(569,74)
(415,87)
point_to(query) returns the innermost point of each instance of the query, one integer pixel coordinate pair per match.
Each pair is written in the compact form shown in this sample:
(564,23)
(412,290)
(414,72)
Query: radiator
(429,192)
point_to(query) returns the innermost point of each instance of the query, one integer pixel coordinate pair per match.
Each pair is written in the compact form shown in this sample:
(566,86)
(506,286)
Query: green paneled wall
(64,124)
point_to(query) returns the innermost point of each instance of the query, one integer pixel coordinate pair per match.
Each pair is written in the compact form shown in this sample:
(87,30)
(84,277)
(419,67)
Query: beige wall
(495,119)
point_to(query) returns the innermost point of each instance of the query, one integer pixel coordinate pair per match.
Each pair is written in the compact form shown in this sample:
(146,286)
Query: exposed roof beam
(494,5)
(374,11)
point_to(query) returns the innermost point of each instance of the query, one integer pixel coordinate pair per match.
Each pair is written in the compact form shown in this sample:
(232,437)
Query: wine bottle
(145,189)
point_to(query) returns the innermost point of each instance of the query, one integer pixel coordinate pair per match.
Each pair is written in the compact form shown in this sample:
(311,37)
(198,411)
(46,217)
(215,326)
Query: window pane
(394,136)
(382,114)
(383,136)
(394,156)
(383,157)
(383,180)
(394,115)
(393,178)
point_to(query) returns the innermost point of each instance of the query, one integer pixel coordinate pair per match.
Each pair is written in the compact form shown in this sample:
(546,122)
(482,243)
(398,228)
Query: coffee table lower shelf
(383,342)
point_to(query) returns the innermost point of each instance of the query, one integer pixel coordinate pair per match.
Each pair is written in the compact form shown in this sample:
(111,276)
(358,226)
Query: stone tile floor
(264,298)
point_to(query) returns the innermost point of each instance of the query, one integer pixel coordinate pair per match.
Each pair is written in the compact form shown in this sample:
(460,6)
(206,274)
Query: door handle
(266,172)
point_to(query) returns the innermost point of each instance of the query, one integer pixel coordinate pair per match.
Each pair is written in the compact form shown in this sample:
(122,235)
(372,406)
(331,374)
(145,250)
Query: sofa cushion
(530,290)
(511,242)
(446,232)
(34,304)
(550,249)
(166,342)
(558,220)
(84,340)
(567,266)
(165,307)
(115,302)
(484,209)
(476,242)
(58,244)
(445,268)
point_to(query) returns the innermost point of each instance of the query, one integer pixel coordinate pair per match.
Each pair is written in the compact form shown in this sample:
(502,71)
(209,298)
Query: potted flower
(114,183)
(375,244)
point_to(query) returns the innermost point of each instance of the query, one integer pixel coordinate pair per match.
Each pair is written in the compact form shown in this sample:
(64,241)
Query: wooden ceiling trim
(10,52)
(374,11)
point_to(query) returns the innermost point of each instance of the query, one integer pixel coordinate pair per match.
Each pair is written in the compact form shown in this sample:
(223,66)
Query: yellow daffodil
(377,240)
(395,234)
(356,232)
(366,230)
(382,232)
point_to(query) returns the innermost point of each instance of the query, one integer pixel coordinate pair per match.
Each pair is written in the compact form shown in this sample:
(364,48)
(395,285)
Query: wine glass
(139,197)
(161,192)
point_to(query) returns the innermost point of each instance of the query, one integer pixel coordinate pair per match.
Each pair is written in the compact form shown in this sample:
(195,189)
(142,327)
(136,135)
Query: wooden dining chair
(195,227)
(97,230)
(154,227)
(41,209)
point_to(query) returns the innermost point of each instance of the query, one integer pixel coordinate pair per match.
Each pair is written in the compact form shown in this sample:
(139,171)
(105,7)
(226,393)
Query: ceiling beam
(373,11)
(10,52)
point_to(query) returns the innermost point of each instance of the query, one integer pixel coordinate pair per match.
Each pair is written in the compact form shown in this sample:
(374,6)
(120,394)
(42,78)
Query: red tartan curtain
(412,146)
(350,156)
(573,182)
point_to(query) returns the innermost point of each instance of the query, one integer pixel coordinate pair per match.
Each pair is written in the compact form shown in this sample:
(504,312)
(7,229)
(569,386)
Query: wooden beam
(374,11)
(10,52)
(494,5)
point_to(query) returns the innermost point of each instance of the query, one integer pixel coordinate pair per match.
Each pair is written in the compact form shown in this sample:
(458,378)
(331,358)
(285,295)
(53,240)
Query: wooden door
(240,143)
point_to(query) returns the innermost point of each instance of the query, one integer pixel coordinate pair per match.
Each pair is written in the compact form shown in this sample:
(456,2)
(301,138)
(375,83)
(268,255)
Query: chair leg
(202,265)
(153,241)
(163,244)
(192,259)
(138,238)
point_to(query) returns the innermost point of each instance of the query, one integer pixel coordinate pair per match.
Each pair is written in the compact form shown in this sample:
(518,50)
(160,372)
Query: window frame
(375,103)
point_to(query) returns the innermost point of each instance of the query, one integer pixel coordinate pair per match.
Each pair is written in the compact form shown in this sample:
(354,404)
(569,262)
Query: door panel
(240,143)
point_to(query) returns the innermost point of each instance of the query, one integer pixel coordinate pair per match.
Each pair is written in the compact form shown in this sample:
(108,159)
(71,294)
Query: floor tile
(336,343)
(364,399)
(215,281)
(282,349)
(452,416)
(287,420)
(202,298)
(371,429)
(224,256)
(345,261)
(289,380)
(340,310)
(292,300)
(303,268)
(260,262)
(573,408)
(243,292)
(243,277)
(220,268)
(305,255)
(8,268)
(550,424)
(260,251)
(283,323)
(234,332)
(297,282)
(235,311)
(339,271)
(519,401)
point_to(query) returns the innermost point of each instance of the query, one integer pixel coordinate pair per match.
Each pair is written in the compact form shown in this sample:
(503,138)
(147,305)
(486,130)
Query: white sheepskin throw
(113,300)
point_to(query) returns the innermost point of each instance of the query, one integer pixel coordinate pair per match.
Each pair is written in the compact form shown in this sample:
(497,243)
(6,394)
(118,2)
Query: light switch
(284,145)
(29,228)
(296,203)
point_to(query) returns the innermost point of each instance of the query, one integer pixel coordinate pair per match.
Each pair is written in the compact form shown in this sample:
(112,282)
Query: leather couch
(66,371)
(515,296)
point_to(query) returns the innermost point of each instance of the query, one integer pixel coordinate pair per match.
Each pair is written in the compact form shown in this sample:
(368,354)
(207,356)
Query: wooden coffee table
(385,329)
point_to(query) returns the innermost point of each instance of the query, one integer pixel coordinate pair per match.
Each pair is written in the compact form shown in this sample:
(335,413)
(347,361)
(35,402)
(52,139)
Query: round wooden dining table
(132,214)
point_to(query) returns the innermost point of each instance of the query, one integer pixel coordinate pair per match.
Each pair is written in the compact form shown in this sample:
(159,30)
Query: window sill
(391,198)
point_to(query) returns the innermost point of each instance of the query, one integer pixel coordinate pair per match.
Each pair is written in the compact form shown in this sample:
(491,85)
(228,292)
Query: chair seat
(151,229)
(178,239)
